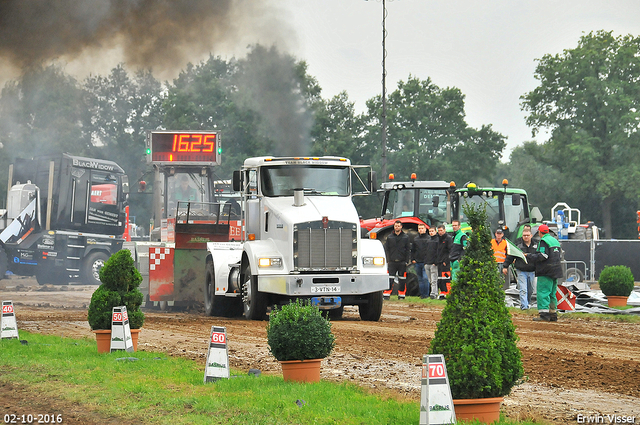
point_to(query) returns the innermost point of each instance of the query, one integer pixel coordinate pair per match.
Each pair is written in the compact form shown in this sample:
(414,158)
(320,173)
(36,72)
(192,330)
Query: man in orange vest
(499,245)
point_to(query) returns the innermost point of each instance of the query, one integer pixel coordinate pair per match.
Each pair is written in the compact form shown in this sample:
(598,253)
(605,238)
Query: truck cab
(65,217)
(300,239)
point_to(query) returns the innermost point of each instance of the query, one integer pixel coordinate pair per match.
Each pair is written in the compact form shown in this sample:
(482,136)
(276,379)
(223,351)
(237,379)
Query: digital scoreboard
(184,147)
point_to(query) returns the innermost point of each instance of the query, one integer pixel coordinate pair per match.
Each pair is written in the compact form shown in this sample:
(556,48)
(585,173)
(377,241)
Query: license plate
(325,289)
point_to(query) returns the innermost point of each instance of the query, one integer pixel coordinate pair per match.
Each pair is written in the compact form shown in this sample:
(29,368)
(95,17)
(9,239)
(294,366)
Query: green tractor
(507,208)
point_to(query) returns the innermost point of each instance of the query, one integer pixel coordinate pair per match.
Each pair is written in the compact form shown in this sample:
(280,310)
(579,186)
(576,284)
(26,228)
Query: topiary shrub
(616,281)
(119,286)
(476,334)
(299,331)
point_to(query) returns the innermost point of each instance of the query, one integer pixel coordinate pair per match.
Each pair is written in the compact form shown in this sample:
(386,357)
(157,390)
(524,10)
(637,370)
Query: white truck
(300,239)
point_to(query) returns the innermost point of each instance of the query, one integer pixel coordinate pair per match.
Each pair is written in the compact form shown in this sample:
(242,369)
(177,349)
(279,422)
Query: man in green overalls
(457,248)
(548,270)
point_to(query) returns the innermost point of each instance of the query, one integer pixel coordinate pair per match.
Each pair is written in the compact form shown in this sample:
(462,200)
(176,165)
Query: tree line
(267,104)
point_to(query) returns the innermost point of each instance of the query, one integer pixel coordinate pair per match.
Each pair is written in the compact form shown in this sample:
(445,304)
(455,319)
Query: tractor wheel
(255,302)
(372,310)
(92,266)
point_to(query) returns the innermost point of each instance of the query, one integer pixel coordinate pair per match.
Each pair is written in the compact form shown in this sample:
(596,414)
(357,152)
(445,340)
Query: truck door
(103,212)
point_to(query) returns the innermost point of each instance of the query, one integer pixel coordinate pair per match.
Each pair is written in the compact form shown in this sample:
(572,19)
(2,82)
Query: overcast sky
(486,48)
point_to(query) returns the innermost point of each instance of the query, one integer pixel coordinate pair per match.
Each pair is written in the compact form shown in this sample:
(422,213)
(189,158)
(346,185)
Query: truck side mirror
(436,201)
(515,199)
(125,185)
(237,181)
(373,181)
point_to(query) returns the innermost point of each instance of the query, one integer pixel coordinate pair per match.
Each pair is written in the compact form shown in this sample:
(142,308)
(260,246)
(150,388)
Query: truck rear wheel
(92,265)
(372,310)
(255,302)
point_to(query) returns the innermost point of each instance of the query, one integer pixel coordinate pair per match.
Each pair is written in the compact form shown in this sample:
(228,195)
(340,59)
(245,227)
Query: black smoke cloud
(157,34)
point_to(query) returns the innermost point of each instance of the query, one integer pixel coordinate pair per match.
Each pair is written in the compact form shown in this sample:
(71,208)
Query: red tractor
(411,202)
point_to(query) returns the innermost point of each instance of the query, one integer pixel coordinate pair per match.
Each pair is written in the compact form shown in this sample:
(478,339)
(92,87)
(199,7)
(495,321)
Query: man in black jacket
(525,272)
(418,255)
(398,250)
(445,242)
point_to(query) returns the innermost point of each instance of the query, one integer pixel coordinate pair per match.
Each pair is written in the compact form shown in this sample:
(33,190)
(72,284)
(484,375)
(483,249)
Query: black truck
(65,216)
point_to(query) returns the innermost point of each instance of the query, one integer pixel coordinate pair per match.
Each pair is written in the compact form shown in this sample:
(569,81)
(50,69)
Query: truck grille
(320,248)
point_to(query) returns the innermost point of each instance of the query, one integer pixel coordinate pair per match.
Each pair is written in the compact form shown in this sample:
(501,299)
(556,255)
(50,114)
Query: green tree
(428,134)
(588,99)
(42,113)
(121,109)
(202,98)
(476,334)
(338,130)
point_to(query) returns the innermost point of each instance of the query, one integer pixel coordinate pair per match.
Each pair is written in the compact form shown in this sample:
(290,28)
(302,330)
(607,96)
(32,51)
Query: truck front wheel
(372,310)
(92,266)
(255,302)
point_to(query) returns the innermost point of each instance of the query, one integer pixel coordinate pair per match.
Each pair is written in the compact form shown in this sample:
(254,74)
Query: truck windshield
(513,214)
(326,181)
(430,208)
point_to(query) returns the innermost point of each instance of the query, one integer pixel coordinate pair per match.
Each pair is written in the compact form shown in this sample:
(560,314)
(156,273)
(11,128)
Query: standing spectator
(499,245)
(548,270)
(525,272)
(398,250)
(445,242)
(431,261)
(418,255)
(457,248)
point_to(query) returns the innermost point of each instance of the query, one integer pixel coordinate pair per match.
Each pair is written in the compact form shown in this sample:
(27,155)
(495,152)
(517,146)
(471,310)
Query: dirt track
(575,366)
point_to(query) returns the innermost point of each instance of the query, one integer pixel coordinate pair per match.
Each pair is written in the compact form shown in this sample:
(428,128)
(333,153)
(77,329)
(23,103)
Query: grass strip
(161,389)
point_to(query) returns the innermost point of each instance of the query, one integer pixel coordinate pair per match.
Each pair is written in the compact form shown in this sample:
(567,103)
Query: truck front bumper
(316,285)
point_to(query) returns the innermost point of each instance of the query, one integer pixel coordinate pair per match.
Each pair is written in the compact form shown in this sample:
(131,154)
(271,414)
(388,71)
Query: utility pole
(383,118)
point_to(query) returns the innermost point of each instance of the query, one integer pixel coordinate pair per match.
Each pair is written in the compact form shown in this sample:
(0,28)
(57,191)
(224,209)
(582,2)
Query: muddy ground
(573,367)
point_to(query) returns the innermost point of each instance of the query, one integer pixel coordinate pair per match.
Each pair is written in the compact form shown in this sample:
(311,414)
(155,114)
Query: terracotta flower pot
(103,338)
(616,301)
(301,370)
(486,410)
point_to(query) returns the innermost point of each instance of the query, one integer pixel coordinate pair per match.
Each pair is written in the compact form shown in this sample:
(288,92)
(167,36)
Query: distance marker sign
(120,330)
(436,403)
(8,323)
(217,366)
